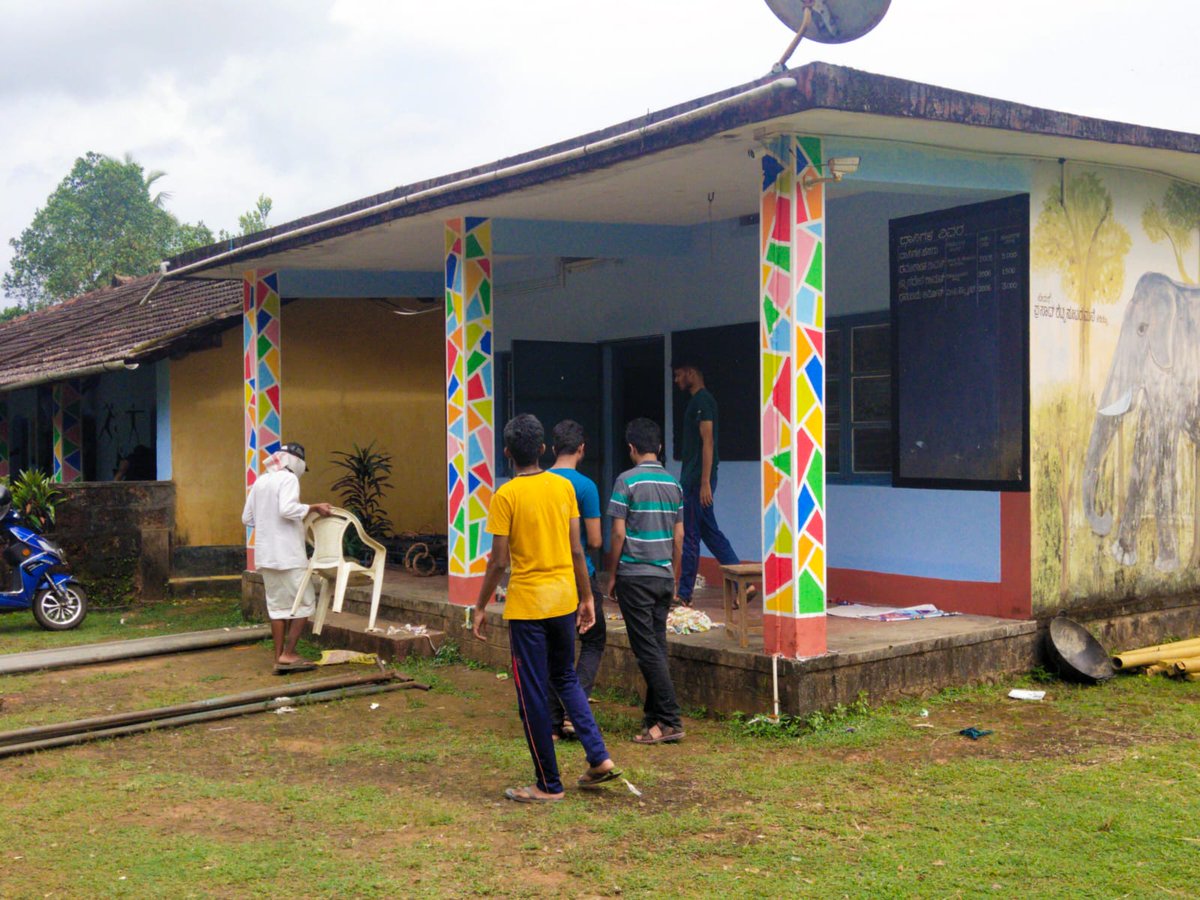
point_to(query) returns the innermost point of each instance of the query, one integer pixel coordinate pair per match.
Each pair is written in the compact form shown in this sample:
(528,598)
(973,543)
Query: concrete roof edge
(818,86)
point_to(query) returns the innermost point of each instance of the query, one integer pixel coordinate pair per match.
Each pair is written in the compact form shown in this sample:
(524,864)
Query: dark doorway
(556,380)
(638,384)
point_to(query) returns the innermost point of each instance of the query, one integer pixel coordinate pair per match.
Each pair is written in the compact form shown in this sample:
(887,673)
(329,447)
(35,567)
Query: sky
(318,102)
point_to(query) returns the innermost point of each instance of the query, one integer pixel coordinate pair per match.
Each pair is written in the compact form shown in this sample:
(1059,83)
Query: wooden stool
(737,582)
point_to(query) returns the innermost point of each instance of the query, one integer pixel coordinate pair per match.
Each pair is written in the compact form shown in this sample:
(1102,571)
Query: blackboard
(728,356)
(960,339)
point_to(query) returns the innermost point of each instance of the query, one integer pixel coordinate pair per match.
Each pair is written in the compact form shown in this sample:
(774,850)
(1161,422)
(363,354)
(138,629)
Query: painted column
(792,354)
(261,375)
(4,473)
(68,432)
(470,442)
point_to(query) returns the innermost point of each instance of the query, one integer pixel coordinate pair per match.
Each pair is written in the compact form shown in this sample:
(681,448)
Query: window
(858,399)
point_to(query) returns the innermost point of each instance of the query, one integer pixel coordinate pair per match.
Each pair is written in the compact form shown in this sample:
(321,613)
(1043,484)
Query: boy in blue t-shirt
(569,444)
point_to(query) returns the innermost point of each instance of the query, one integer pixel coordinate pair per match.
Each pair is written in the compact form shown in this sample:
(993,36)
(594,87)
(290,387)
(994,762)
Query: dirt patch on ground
(417,755)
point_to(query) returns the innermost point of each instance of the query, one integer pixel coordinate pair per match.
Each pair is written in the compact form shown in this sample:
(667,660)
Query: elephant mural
(1155,371)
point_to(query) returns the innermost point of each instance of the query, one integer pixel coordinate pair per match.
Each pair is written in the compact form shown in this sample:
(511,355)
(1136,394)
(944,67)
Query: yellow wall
(353,372)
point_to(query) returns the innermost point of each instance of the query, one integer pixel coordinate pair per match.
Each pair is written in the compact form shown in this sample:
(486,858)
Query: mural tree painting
(1175,222)
(1077,236)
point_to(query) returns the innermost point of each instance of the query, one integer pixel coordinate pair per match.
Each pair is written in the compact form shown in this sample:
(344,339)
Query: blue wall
(937,534)
(162,449)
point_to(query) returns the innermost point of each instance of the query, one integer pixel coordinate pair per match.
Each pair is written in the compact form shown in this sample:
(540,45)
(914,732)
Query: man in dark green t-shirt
(699,477)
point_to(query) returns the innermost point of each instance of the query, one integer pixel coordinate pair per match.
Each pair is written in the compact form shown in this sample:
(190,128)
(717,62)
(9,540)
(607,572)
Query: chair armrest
(362,533)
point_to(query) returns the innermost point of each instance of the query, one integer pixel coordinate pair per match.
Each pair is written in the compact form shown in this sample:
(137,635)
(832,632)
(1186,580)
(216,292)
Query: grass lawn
(1090,793)
(19,631)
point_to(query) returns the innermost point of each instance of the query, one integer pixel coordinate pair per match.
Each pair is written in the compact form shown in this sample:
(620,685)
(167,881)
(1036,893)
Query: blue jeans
(543,653)
(700,523)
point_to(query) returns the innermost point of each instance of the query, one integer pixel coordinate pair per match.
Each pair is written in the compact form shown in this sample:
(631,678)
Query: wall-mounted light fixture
(836,168)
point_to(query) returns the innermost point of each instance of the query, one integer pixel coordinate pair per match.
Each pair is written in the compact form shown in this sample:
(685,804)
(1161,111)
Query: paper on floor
(886,613)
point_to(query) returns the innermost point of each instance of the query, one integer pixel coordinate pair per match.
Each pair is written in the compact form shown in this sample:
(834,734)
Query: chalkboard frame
(1014,210)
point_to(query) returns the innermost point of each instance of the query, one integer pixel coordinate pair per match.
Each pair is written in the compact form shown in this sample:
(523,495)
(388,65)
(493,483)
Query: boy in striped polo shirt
(646,508)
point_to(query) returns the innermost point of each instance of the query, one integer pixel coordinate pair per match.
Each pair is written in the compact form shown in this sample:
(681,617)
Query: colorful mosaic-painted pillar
(68,432)
(261,376)
(792,354)
(470,442)
(4,435)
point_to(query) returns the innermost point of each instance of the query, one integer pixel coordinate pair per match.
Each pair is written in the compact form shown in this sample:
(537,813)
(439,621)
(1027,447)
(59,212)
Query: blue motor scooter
(41,580)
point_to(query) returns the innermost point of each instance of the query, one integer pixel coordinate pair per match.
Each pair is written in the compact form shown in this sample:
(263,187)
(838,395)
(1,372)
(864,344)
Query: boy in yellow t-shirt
(534,523)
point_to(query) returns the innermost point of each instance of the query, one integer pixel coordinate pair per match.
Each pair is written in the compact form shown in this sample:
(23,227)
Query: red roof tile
(110,325)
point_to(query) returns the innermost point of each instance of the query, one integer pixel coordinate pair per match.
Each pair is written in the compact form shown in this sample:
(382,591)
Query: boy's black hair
(568,437)
(644,435)
(524,437)
(684,362)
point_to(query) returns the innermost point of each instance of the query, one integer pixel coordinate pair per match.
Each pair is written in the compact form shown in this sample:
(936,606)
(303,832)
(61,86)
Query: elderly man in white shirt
(274,510)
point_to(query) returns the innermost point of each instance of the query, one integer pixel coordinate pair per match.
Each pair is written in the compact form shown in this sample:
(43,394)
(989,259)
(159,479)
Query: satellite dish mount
(826,21)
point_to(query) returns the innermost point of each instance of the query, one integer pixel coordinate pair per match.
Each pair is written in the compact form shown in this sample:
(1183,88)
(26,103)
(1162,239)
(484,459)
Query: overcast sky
(316,102)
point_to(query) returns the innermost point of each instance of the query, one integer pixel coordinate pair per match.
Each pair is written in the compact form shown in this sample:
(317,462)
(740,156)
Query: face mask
(296,465)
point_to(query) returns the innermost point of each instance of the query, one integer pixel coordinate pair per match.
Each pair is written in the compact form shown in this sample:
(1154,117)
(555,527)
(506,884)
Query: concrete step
(348,631)
(206,586)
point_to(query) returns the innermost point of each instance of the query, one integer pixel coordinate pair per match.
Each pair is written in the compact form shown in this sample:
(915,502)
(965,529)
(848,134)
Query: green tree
(101,221)
(1077,235)
(256,219)
(1175,222)
(251,221)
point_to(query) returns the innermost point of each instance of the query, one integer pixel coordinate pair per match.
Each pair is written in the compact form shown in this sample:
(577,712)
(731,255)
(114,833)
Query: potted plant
(362,489)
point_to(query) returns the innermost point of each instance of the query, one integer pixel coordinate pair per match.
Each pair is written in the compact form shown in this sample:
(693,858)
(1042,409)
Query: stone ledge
(726,678)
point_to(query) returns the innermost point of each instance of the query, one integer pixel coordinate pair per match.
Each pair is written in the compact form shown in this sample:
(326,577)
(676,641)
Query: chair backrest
(327,533)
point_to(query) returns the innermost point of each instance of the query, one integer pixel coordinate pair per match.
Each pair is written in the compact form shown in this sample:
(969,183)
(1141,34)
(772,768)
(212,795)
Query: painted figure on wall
(1116,390)
(1155,372)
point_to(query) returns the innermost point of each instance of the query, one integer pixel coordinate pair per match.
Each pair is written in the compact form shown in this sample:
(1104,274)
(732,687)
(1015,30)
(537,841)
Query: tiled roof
(110,326)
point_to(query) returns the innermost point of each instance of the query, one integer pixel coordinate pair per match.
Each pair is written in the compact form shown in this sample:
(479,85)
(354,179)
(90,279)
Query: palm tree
(148,179)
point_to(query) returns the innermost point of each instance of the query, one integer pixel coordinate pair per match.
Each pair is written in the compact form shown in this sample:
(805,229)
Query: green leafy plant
(362,489)
(35,496)
(789,726)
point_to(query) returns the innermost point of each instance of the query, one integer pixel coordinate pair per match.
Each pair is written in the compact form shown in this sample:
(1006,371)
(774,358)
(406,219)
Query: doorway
(637,369)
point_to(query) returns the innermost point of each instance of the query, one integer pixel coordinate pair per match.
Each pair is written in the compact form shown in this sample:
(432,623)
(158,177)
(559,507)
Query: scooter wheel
(55,613)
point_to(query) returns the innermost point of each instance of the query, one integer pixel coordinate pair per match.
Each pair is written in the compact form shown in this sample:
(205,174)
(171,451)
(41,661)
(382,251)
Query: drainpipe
(617,140)
(98,369)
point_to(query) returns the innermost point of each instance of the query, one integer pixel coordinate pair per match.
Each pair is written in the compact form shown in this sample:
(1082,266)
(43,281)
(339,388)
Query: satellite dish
(827,21)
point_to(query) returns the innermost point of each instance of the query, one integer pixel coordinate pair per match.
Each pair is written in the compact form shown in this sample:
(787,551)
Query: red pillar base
(464,589)
(793,638)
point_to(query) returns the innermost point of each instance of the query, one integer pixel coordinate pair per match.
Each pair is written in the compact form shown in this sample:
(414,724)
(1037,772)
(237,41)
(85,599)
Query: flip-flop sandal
(666,736)
(289,668)
(590,781)
(568,729)
(522,795)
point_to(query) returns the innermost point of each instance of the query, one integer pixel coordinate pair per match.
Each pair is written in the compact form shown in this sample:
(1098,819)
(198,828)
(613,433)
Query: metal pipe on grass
(23,735)
(89,654)
(207,716)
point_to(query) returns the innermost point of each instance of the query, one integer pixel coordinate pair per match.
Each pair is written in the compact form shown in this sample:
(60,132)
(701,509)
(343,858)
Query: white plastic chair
(336,572)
